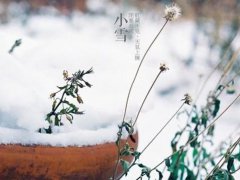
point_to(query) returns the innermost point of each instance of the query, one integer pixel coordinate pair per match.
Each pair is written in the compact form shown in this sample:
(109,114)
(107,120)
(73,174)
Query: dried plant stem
(231,151)
(116,165)
(212,123)
(154,138)
(146,96)
(140,109)
(205,83)
(130,90)
(228,153)
(224,86)
(228,67)
(230,136)
(139,66)
(162,128)
(212,72)
(208,77)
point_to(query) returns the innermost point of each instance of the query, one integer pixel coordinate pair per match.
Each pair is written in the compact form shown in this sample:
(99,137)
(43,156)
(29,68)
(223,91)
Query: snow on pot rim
(60,139)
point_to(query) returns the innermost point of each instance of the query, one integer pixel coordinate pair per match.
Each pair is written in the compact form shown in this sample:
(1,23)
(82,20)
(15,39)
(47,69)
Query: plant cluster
(62,106)
(192,159)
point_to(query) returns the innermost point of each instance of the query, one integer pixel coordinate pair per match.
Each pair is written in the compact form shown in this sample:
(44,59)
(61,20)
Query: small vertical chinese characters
(128,29)
(137,35)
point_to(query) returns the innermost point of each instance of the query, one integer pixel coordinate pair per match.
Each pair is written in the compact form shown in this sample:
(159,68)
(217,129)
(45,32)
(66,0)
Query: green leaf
(230,163)
(204,119)
(167,162)
(54,104)
(220,87)
(48,118)
(126,150)
(125,165)
(128,127)
(142,165)
(195,152)
(221,174)
(230,177)
(212,162)
(69,117)
(72,94)
(191,137)
(57,121)
(62,87)
(195,119)
(74,108)
(78,112)
(210,130)
(190,174)
(216,107)
(195,155)
(174,159)
(80,85)
(63,111)
(205,154)
(146,171)
(136,154)
(231,91)
(160,175)
(175,141)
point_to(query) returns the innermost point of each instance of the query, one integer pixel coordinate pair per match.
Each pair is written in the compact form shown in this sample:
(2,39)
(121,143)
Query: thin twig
(135,76)
(217,118)
(162,128)
(130,90)
(228,153)
(146,96)
(133,163)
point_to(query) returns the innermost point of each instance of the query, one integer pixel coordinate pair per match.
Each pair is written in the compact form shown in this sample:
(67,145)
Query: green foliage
(216,107)
(230,164)
(191,158)
(125,165)
(160,175)
(145,170)
(221,174)
(61,106)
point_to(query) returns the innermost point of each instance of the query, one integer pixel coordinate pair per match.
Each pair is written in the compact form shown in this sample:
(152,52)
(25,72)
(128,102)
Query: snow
(52,44)
(70,137)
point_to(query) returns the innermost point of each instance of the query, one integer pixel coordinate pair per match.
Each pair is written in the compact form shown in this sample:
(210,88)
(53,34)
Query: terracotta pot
(18,162)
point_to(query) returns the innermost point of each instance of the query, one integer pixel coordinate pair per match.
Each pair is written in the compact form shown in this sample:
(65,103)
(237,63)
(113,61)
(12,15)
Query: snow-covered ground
(52,44)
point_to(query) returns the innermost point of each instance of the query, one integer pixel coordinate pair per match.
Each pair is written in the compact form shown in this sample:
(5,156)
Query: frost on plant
(61,106)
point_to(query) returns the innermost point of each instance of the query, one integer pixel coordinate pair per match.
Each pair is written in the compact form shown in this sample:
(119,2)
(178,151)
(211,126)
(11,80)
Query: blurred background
(74,34)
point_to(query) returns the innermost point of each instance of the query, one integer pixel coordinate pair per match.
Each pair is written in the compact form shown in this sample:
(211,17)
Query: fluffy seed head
(172,12)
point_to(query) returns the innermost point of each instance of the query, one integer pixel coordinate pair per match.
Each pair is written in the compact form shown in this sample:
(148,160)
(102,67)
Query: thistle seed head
(172,12)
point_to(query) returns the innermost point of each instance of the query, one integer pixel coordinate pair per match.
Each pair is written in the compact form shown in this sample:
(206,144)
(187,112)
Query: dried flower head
(163,67)
(65,75)
(172,12)
(187,99)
